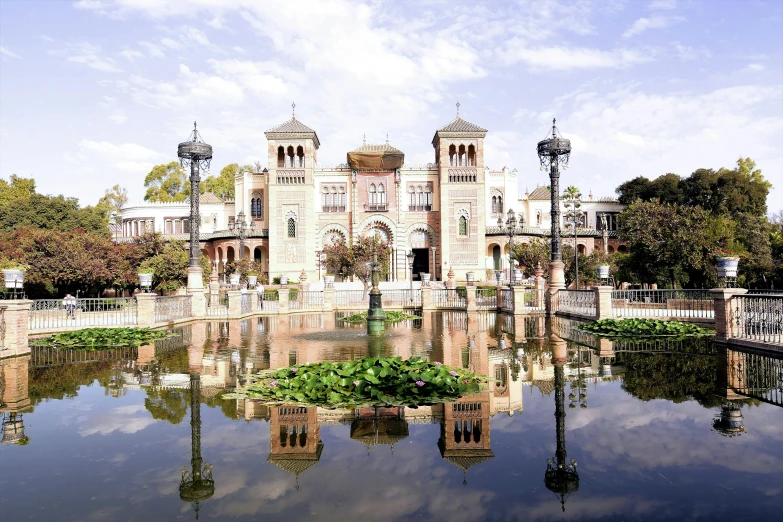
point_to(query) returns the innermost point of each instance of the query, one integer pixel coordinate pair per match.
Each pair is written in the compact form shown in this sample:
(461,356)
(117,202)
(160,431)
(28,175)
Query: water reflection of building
(14,398)
(295,439)
(379,426)
(465,432)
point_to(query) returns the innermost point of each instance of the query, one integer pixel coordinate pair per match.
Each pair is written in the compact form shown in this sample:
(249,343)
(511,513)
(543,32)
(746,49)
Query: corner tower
(292,154)
(459,154)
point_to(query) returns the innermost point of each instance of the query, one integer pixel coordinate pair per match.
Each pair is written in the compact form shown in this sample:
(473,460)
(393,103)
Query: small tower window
(463,226)
(452,155)
(471,156)
(280,157)
(291,227)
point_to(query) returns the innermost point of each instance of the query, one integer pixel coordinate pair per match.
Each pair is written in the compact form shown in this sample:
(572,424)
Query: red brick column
(16,316)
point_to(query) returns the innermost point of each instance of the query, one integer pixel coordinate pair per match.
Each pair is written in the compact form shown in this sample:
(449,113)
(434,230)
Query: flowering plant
(723,252)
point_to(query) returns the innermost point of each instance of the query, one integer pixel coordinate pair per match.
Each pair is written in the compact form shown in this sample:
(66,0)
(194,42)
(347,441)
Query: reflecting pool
(571,427)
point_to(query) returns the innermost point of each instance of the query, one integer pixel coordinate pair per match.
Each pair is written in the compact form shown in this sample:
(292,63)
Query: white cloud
(89,55)
(128,157)
(122,419)
(9,54)
(663,4)
(654,22)
(566,58)
(153,50)
(131,54)
(754,67)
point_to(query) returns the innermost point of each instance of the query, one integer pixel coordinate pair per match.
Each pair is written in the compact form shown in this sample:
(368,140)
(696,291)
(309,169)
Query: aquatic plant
(644,327)
(371,381)
(101,338)
(391,317)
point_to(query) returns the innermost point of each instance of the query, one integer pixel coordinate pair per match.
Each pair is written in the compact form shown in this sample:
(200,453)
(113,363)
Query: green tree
(170,266)
(353,260)
(167,404)
(17,188)
(112,201)
(167,182)
(222,185)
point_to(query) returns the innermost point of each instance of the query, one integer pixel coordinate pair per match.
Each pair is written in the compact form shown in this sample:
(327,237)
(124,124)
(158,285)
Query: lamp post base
(195,281)
(556,283)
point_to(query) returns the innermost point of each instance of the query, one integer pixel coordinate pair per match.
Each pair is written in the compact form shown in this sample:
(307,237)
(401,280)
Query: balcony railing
(662,303)
(758,317)
(419,208)
(333,208)
(376,207)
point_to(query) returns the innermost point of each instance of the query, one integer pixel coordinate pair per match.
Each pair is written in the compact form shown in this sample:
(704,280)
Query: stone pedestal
(146,309)
(198,303)
(16,316)
(603,302)
(471,298)
(328,300)
(519,299)
(234,303)
(195,281)
(722,300)
(14,373)
(282,296)
(426,298)
(540,287)
(556,283)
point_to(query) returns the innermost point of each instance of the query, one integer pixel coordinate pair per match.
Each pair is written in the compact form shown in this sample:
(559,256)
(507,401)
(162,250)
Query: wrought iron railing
(170,308)
(662,303)
(269,301)
(246,304)
(758,317)
(757,375)
(217,305)
(58,313)
(307,300)
(506,300)
(487,298)
(580,302)
(448,298)
(350,298)
(399,297)
(50,356)
(2,326)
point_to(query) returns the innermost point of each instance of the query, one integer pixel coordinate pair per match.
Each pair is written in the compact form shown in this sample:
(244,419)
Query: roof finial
(553,127)
(364,138)
(457,109)
(387,138)
(293,110)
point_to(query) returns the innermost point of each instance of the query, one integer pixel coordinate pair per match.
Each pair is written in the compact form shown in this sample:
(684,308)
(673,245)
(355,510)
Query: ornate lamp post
(196,154)
(411,256)
(552,152)
(511,230)
(572,201)
(197,484)
(241,229)
(375,315)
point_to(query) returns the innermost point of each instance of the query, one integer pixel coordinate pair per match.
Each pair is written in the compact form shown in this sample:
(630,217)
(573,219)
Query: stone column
(16,315)
(556,283)
(722,302)
(146,309)
(426,298)
(282,296)
(234,303)
(198,304)
(328,300)
(471,298)
(519,299)
(603,302)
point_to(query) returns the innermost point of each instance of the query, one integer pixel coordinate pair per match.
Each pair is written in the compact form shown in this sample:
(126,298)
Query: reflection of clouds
(122,419)
(585,507)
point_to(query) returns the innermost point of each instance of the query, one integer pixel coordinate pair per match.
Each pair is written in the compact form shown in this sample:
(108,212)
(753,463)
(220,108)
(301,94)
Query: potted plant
(145,278)
(727,263)
(252,279)
(517,276)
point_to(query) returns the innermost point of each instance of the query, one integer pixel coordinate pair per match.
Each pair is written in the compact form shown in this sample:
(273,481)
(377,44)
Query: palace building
(445,212)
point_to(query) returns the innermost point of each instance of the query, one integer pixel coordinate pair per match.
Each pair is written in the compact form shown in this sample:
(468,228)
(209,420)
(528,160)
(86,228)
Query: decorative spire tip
(457,109)
(293,110)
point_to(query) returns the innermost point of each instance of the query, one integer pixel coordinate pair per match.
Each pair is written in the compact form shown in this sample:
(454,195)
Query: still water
(664,431)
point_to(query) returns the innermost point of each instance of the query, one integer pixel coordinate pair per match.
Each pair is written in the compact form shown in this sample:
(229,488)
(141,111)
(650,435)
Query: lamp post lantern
(195,154)
(241,229)
(553,152)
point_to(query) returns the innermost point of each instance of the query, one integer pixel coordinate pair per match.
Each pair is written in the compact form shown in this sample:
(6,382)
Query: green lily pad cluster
(371,381)
(101,338)
(391,317)
(638,327)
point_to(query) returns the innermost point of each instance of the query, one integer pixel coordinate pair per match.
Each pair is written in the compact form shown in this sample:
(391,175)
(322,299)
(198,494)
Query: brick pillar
(519,299)
(234,303)
(603,302)
(328,299)
(14,372)
(540,288)
(426,298)
(198,304)
(16,314)
(282,295)
(722,299)
(471,298)
(556,282)
(146,309)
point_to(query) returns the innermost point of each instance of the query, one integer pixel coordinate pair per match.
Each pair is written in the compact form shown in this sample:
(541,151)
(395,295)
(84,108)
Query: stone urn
(328,281)
(499,277)
(145,281)
(471,278)
(602,272)
(425,279)
(517,276)
(283,280)
(252,280)
(13,278)
(233,280)
(727,266)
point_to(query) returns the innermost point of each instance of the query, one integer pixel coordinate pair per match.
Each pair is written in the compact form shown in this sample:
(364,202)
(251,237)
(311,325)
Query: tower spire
(457,109)
(293,110)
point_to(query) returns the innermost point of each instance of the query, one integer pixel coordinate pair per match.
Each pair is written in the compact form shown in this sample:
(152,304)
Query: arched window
(412,198)
(427,198)
(381,194)
(280,157)
(325,199)
(462,156)
(538,218)
(300,157)
(452,155)
(471,155)
(256,208)
(419,198)
(290,158)
(494,204)
(462,222)
(291,227)
(373,194)
(341,199)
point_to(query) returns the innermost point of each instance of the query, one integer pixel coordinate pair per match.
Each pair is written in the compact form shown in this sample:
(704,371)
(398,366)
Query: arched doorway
(257,254)
(496,261)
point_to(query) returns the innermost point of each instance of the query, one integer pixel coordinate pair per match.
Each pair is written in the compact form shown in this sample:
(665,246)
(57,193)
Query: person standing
(260,292)
(69,303)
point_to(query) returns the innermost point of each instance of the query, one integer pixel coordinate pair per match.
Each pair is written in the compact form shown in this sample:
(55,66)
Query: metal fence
(2,326)
(506,300)
(350,298)
(42,356)
(757,375)
(268,302)
(487,298)
(758,317)
(57,313)
(404,298)
(246,303)
(169,308)
(217,305)
(307,300)
(662,303)
(448,298)
(580,302)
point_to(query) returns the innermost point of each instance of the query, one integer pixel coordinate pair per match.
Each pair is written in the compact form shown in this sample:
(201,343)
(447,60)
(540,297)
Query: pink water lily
(294,369)
(453,373)
(419,383)
(356,383)
(438,363)
(273,384)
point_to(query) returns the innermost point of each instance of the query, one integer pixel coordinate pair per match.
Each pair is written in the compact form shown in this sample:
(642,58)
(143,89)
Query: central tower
(459,154)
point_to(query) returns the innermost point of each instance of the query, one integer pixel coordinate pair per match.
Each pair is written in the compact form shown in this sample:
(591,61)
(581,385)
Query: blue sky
(96,92)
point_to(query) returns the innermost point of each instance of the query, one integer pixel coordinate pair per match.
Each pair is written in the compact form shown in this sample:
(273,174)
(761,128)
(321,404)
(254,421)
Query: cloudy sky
(96,92)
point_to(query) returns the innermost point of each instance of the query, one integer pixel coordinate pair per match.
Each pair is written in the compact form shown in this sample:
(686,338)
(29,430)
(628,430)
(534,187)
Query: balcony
(376,207)
(333,208)
(419,208)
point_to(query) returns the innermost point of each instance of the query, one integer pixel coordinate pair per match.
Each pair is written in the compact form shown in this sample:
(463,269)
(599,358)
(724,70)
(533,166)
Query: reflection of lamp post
(551,153)
(240,229)
(197,484)
(411,256)
(13,429)
(318,257)
(511,229)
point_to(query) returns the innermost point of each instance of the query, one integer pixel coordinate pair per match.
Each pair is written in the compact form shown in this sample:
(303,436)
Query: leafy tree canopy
(112,201)
(166,183)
